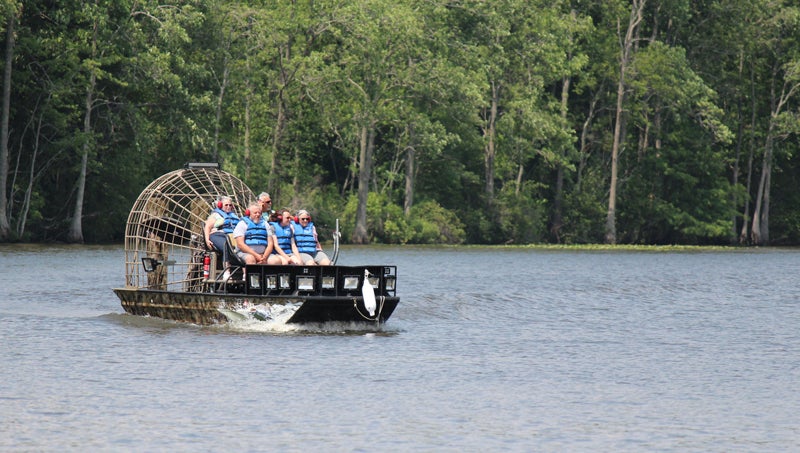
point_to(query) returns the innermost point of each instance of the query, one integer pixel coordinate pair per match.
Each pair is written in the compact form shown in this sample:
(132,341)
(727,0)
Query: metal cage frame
(164,243)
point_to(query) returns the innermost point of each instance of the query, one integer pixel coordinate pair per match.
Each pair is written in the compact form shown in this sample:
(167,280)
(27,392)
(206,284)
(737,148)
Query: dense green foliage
(444,121)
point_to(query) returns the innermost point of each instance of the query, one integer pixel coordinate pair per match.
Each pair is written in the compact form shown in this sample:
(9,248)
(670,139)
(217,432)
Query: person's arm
(279,251)
(295,258)
(316,239)
(207,227)
(264,257)
(270,244)
(295,252)
(238,235)
(277,248)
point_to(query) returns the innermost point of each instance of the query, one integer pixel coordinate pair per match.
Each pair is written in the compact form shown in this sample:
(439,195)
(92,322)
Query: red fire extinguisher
(206,266)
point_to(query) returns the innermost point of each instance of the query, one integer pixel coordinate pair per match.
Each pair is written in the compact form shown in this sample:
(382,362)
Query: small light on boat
(373,281)
(272,281)
(328,282)
(150,264)
(305,283)
(284,281)
(351,282)
(390,282)
(255,281)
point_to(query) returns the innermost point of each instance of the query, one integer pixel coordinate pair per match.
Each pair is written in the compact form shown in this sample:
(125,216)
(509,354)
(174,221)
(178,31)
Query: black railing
(332,281)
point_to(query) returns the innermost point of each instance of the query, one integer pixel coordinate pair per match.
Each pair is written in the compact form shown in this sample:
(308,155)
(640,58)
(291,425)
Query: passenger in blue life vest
(219,224)
(283,241)
(305,236)
(266,205)
(253,241)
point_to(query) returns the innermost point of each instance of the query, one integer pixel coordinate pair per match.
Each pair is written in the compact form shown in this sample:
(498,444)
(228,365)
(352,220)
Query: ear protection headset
(219,202)
(247,212)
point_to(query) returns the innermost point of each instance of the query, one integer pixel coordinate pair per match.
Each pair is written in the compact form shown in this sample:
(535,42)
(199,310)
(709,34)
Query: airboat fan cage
(164,242)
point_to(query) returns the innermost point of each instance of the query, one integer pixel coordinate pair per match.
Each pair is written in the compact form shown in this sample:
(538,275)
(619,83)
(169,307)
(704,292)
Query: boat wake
(274,319)
(260,317)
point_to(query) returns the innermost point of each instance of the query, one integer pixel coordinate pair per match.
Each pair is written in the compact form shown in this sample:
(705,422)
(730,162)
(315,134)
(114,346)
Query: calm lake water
(489,350)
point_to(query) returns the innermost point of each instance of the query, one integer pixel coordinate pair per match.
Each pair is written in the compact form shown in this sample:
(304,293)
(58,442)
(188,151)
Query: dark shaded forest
(412,121)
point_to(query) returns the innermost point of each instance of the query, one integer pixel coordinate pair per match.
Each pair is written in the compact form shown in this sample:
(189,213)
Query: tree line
(412,121)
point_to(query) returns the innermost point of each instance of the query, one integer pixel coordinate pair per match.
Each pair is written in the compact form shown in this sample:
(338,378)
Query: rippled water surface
(489,350)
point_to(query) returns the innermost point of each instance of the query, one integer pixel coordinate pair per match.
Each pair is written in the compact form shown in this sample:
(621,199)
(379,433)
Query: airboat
(170,274)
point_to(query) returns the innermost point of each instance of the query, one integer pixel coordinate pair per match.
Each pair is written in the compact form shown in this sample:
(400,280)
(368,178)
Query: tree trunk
(558,199)
(584,140)
(75,233)
(746,215)
(735,172)
(759,232)
(765,208)
(218,112)
(489,148)
(361,235)
(247,121)
(26,203)
(625,58)
(611,225)
(5,225)
(277,137)
(760,229)
(248,99)
(411,155)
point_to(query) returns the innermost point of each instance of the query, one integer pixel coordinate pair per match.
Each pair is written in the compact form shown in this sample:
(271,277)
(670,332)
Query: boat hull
(203,308)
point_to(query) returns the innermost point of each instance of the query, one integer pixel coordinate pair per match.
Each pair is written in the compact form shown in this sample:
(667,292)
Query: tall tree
(784,87)
(10,18)
(626,53)
(367,81)
(75,233)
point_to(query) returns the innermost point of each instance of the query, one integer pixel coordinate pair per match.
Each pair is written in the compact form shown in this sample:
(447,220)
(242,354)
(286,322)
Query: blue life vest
(304,238)
(229,220)
(256,233)
(284,236)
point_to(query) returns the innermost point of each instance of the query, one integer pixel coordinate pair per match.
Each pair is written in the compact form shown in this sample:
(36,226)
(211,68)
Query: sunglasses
(304,218)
